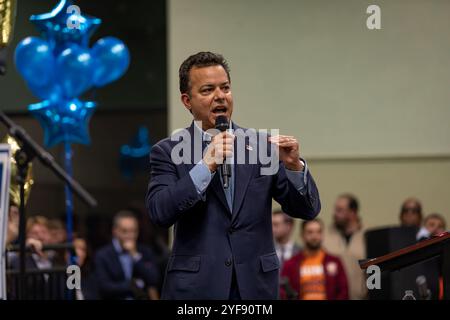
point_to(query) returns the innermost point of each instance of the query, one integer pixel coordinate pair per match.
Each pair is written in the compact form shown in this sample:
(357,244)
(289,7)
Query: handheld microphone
(222,124)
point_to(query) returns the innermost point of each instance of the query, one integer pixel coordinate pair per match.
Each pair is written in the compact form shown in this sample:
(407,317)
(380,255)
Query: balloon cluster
(61,66)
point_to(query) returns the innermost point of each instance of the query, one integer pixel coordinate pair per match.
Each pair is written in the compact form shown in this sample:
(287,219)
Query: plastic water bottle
(409,295)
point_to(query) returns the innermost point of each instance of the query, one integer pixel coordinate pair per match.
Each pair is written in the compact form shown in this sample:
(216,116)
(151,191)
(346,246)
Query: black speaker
(394,284)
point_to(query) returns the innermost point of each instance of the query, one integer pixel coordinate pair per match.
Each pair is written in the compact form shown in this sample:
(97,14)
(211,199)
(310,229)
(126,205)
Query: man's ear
(186,100)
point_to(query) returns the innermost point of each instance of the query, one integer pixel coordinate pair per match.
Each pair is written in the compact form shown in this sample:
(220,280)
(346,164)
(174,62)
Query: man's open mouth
(219,109)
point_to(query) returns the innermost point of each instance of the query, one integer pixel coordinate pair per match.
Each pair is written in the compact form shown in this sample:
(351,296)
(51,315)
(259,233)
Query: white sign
(4,209)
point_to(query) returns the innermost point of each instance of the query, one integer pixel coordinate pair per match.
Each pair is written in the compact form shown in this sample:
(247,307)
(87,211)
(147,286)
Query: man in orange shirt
(313,273)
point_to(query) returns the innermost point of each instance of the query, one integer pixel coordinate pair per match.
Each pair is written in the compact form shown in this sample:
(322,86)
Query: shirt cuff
(201,177)
(298,178)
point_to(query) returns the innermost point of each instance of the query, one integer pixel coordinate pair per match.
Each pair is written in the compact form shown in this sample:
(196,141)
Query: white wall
(371,108)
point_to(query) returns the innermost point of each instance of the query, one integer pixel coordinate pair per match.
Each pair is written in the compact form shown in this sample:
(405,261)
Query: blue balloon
(35,62)
(64,121)
(61,67)
(112,60)
(51,92)
(65,25)
(75,70)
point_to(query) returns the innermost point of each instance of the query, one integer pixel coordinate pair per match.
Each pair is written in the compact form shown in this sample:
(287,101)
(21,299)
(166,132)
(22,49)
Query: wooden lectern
(438,246)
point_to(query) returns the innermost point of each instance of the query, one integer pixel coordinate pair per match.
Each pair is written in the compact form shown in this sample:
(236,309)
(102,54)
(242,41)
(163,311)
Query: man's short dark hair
(353,203)
(199,60)
(305,223)
(123,214)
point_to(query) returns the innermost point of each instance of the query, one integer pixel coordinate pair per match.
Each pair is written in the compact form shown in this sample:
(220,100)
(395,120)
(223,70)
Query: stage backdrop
(371,107)
(4,208)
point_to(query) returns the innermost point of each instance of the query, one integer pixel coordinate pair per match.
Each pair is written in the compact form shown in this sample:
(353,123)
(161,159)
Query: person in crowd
(155,237)
(282,227)
(345,239)
(12,236)
(47,284)
(314,274)
(433,225)
(89,290)
(12,231)
(37,230)
(57,231)
(126,269)
(411,213)
(58,235)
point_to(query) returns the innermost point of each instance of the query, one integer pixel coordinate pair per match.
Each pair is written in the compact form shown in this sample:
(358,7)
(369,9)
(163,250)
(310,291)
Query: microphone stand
(29,149)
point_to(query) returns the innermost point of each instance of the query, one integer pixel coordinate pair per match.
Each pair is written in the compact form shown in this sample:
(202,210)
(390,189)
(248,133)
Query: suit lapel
(243,174)
(215,184)
(192,136)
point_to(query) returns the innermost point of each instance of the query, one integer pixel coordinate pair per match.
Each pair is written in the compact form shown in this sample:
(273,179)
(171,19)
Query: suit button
(231,230)
(228,262)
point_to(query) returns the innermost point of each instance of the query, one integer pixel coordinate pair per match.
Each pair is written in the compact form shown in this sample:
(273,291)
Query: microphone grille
(222,123)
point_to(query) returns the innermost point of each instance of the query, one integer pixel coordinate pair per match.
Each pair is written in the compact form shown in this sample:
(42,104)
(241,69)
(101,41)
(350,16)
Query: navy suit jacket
(209,239)
(111,280)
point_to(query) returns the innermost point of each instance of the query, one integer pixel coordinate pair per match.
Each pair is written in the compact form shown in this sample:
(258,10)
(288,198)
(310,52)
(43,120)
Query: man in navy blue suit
(125,269)
(223,246)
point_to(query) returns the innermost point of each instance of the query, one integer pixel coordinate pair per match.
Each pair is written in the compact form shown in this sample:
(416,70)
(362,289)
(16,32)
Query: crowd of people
(321,265)
(326,267)
(121,269)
